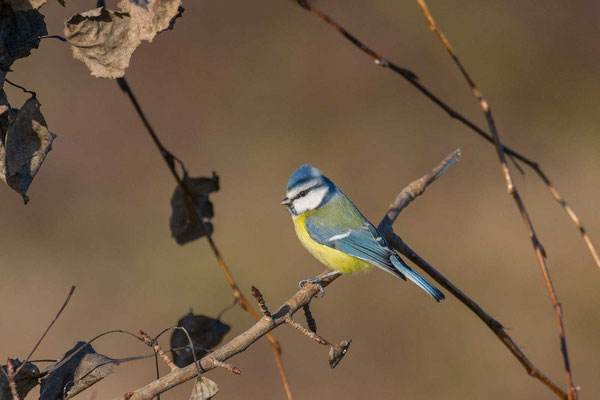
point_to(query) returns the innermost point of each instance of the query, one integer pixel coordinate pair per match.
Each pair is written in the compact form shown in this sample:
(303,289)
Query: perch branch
(236,345)
(512,190)
(197,217)
(412,79)
(302,299)
(404,198)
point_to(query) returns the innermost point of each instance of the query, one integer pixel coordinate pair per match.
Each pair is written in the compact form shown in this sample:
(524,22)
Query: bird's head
(308,189)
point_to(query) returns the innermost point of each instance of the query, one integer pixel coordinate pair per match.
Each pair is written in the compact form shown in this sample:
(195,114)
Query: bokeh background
(254,89)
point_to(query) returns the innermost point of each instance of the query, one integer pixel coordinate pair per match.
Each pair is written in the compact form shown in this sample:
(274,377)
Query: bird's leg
(318,281)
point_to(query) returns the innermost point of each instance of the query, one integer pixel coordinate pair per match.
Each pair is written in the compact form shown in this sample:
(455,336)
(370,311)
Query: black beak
(286,202)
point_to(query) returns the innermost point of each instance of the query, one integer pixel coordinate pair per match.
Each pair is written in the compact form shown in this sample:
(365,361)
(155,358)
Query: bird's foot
(316,281)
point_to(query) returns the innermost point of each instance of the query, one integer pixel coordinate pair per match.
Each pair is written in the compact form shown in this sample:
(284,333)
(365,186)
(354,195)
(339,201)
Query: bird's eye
(302,193)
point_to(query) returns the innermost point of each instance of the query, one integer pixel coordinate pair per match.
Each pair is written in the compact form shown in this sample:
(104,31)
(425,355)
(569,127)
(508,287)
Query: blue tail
(418,279)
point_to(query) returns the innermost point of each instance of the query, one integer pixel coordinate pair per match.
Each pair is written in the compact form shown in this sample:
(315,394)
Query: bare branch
(154,344)
(170,159)
(228,367)
(412,79)
(306,332)
(512,190)
(236,345)
(385,227)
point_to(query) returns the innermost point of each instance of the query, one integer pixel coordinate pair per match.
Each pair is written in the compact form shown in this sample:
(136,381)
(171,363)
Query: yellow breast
(332,258)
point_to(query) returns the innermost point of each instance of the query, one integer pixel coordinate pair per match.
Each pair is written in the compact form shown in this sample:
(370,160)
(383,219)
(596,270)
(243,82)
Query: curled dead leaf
(65,380)
(105,40)
(24,143)
(204,389)
(337,352)
(183,226)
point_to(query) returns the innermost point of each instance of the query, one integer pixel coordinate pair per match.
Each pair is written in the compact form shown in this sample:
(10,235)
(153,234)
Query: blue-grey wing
(364,242)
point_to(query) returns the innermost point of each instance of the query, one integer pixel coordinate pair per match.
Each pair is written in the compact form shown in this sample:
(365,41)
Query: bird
(335,232)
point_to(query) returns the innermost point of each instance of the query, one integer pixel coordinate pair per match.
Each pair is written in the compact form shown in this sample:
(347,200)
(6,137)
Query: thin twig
(20,87)
(410,77)
(47,329)
(157,349)
(62,39)
(10,375)
(512,190)
(306,332)
(197,217)
(220,364)
(404,198)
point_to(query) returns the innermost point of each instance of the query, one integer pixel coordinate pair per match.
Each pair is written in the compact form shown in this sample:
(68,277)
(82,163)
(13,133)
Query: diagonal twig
(411,78)
(197,217)
(404,198)
(512,190)
(47,329)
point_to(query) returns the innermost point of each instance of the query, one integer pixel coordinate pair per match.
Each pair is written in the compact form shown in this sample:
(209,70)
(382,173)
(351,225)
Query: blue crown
(303,174)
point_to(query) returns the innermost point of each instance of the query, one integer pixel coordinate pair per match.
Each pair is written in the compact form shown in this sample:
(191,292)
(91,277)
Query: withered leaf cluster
(105,39)
(24,136)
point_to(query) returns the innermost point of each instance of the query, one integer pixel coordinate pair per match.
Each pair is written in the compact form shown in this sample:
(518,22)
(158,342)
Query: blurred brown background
(254,89)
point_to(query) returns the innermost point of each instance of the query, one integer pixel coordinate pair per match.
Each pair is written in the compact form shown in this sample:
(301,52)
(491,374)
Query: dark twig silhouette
(198,219)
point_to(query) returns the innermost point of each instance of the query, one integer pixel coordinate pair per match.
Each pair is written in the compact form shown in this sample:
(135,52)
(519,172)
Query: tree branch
(404,198)
(413,80)
(303,297)
(512,190)
(170,159)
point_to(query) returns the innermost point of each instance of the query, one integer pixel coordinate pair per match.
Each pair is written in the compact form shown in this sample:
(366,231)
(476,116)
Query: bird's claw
(315,281)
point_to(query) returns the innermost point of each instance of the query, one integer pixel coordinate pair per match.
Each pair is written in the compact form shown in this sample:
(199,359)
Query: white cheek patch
(311,201)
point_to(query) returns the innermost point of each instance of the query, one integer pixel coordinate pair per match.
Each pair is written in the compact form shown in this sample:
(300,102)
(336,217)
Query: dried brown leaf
(24,143)
(337,352)
(183,226)
(105,40)
(65,380)
(204,389)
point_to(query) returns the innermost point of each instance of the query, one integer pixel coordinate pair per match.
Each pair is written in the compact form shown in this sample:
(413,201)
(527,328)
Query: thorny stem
(512,190)
(195,213)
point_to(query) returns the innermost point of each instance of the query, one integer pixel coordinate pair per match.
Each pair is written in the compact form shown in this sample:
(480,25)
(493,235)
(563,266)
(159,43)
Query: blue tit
(334,231)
